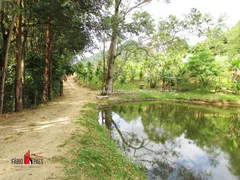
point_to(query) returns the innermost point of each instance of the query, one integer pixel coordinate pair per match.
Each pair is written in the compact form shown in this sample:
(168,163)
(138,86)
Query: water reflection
(176,141)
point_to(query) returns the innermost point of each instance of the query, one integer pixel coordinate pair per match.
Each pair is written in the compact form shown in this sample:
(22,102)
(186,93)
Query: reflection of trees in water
(177,171)
(159,162)
(234,128)
(234,140)
(165,122)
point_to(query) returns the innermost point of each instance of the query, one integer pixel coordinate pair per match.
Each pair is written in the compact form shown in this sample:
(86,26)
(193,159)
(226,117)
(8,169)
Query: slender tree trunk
(108,119)
(163,85)
(177,85)
(50,73)
(104,67)
(61,87)
(35,94)
(5,60)
(13,97)
(19,64)
(46,71)
(112,51)
(24,50)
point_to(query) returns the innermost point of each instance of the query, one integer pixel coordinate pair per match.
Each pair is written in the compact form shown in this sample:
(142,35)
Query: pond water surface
(178,141)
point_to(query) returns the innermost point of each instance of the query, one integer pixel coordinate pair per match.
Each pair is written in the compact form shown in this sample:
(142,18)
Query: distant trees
(7,25)
(233,40)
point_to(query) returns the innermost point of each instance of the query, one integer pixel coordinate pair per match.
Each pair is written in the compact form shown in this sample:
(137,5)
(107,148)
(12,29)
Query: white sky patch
(216,8)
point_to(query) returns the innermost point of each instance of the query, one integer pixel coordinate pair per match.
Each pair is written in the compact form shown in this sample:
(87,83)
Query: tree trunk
(61,87)
(108,118)
(177,86)
(5,60)
(46,71)
(104,68)
(19,64)
(163,85)
(112,50)
(13,96)
(50,73)
(24,51)
(111,59)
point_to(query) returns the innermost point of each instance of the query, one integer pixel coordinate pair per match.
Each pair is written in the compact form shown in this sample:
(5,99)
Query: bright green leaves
(236,63)
(80,70)
(89,71)
(142,23)
(202,65)
(234,40)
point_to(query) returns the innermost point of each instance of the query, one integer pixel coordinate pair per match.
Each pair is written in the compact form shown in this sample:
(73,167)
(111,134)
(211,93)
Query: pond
(176,140)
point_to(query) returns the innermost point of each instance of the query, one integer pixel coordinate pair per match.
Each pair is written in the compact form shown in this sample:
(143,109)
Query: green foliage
(99,71)
(236,63)
(89,71)
(80,70)
(123,79)
(142,23)
(233,36)
(89,74)
(69,25)
(217,41)
(141,74)
(202,66)
(34,78)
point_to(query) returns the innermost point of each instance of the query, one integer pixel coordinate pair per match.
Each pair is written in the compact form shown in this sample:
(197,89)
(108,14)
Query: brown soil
(43,131)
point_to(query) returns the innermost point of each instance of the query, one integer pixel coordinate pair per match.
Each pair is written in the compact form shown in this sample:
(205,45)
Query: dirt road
(42,131)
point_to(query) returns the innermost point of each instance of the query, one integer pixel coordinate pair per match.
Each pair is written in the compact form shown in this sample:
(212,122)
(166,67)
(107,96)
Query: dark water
(178,141)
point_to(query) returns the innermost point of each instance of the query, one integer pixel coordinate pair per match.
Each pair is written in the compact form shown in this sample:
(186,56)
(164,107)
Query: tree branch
(139,5)
(119,3)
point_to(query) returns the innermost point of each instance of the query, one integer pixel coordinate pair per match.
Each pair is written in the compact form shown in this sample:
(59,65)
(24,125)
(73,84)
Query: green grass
(95,84)
(194,95)
(188,97)
(95,155)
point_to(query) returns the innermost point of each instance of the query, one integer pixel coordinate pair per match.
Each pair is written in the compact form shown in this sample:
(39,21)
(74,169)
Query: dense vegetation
(38,41)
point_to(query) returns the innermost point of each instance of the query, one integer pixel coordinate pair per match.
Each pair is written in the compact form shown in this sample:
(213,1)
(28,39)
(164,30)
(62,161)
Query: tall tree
(7,36)
(113,47)
(119,26)
(68,25)
(19,60)
(47,91)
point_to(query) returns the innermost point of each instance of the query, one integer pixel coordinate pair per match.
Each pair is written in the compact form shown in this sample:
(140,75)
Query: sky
(214,7)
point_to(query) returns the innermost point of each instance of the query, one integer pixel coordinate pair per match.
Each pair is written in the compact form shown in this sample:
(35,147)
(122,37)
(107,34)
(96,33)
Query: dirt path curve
(41,131)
